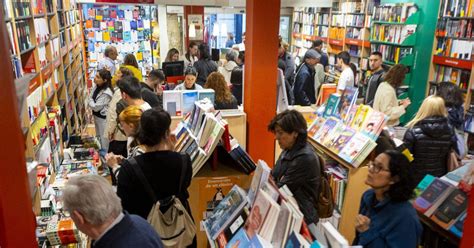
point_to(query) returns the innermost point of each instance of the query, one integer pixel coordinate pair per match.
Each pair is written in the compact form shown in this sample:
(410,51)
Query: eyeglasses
(376,168)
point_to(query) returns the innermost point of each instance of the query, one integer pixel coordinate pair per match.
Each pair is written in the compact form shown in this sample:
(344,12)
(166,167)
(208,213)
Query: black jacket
(204,67)
(162,169)
(456,117)
(150,96)
(131,231)
(430,141)
(372,85)
(303,88)
(299,169)
(233,104)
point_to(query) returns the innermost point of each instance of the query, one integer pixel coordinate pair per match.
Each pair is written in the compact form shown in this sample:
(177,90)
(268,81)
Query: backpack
(121,105)
(175,226)
(326,202)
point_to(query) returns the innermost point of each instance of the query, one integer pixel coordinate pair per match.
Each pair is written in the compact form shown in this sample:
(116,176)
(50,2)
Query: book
(332,237)
(323,132)
(432,197)
(258,214)
(188,99)
(348,99)
(423,184)
(343,138)
(331,105)
(458,226)
(284,225)
(207,93)
(226,210)
(172,102)
(450,210)
(261,175)
(240,239)
(235,225)
(259,242)
(359,117)
(315,126)
(374,124)
(354,147)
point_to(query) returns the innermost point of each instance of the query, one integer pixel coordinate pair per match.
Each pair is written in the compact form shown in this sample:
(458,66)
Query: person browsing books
(161,166)
(303,87)
(298,166)
(108,62)
(385,99)
(190,76)
(129,121)
(386,217)
(224,98)
(96,211)
(99,100)
(376,77)
(347,76)
(430,139)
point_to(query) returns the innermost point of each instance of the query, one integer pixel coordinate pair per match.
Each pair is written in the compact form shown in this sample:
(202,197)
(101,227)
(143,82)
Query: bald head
(111,52)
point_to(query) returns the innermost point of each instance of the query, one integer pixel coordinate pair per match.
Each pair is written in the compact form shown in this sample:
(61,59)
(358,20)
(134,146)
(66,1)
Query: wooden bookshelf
(354,189)
(49,79)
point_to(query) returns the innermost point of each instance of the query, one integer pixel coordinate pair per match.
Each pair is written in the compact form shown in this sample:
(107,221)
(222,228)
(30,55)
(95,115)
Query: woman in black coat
(298,166)
(430,139)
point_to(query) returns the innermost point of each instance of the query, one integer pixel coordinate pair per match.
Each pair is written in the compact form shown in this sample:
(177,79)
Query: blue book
(189,98)
(458,226)
(240,239)
(207,93)
(331,105)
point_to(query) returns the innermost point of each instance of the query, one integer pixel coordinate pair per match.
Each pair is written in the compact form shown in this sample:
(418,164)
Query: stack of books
(180,103)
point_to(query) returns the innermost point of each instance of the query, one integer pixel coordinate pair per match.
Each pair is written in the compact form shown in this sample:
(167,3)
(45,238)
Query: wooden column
(17,221)
(261,63)
(192,10)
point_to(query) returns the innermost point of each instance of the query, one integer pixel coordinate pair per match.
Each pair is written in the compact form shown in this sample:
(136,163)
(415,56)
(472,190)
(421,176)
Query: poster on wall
(196,28)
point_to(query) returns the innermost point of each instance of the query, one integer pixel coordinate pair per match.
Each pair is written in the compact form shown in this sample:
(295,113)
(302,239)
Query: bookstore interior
(150,123)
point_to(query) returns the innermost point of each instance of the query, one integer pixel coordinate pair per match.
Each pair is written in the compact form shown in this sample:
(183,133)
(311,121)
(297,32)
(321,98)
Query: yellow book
(139,56)
(98,17)
(106,36)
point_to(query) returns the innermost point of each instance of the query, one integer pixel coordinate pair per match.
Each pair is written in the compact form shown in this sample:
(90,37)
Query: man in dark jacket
(303,88)
(96,210)
(318,47)
(298,165)
(205,65)
(375,63)
(430,141)
(152,93)
(284,56)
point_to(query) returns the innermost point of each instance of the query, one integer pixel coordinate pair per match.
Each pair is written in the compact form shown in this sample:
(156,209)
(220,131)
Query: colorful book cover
(258,242)
(458,226)
(354,147)
(350,116)
(348,99)
(258,213)
(189,97)
(359,117)
(315,126)
(323,132)
(240,239)
(207,93)
(427,180)
(374,124)
(331,105)
(344,137)
(333,135)
(433,193)
(450,210)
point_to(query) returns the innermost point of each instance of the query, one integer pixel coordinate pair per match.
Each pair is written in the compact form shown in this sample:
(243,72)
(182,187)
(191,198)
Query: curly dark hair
(154,127)
(396,75)
(451,94)
(400,168)
(290,121)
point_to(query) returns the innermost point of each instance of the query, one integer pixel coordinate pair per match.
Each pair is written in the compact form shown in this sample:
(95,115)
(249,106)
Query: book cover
(458,226)
(331,105)
(323,132)
(261,175)
(333,135)
(283,228)
(226,210)
(315,126)
(450,210)
(374,124)
(348,99)
(207,93)
(427,180)
(234,226)
(437,191)
(344,137)
(258,213)
(359,117)
(172,102)
(259,242)
(189,97)
(240,239)
(354,147)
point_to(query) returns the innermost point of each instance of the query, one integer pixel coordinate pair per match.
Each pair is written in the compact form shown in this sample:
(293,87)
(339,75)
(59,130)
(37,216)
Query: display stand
(354,190)
(439,230)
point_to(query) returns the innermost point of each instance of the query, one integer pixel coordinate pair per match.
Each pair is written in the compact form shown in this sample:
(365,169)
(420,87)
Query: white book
(333,237)
(172,102)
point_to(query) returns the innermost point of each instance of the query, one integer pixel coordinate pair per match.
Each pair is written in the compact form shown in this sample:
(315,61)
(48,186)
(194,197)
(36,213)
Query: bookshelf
(46,52)
(452,54)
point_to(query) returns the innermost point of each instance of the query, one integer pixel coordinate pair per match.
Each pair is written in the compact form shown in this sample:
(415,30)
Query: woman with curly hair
(386,217)
(224,98)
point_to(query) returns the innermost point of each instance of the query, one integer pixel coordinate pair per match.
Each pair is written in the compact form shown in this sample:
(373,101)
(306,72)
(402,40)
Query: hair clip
(408,154)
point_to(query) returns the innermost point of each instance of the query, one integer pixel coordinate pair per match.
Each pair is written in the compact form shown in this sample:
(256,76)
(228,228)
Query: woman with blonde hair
(224,98)
(129,121)
(430,139)
(385,99)
(172,56)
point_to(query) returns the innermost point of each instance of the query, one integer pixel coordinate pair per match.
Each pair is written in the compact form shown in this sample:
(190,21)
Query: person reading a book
(386,217)
(303,87)
(298,166)
(347,78)
(129,121)
(385,99)
(108,62)
(376,77)
(190,76)
(96,211)
(224,98)
(430,139)
(163,168)
(172,56)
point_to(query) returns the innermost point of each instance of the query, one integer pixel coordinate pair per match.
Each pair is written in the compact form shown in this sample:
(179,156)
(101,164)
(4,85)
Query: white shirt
(145,106)
(108,64)
(346,79)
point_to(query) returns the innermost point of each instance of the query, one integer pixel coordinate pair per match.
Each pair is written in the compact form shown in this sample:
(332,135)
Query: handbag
(326,203)
(175,226)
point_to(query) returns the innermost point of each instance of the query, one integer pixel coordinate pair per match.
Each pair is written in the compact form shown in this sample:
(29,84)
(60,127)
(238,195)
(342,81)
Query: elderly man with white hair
(96,210)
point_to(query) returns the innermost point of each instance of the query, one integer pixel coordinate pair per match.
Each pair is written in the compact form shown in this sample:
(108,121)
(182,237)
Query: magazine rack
(353,192)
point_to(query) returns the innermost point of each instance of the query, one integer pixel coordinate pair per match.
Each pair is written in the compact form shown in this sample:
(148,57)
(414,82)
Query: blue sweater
(131,231)
(392,224)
